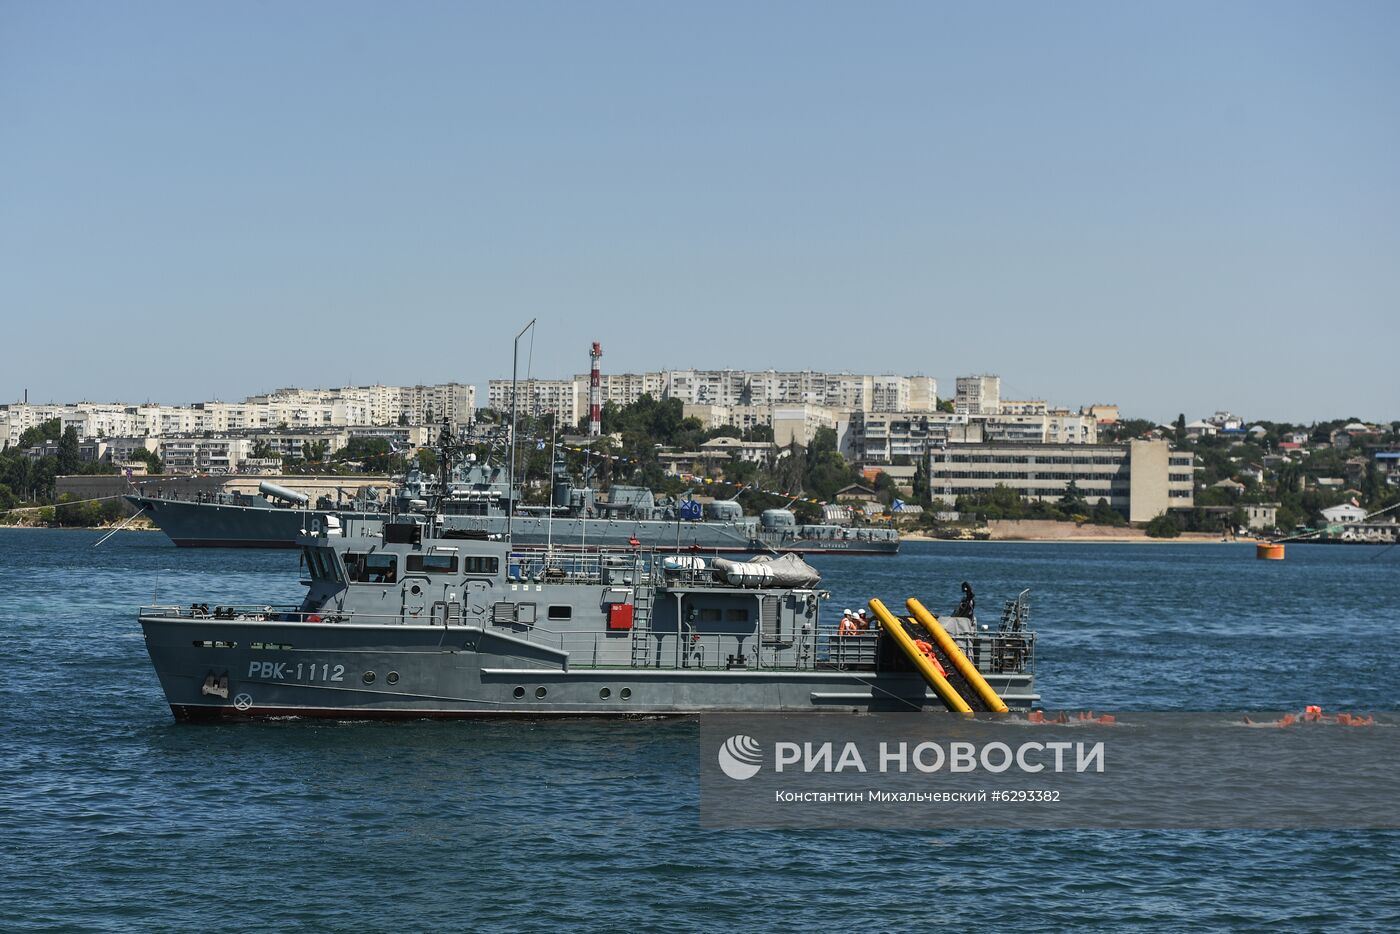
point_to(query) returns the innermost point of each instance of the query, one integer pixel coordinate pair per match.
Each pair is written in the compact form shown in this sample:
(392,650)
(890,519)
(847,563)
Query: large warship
(411,618)
(477,497)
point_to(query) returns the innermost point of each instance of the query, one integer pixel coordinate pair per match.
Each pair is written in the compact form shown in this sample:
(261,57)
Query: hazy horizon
(1175,208)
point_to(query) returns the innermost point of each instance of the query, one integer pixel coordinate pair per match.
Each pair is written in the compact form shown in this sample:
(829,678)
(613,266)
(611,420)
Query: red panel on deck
(619,616)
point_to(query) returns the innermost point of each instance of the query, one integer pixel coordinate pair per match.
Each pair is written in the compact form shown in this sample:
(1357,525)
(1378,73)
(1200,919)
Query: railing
(265,613)
(999,652)
(857,650)
(602,567)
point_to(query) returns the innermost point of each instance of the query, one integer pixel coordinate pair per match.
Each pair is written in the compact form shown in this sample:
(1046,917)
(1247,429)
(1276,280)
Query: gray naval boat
(476,497)
(410,619)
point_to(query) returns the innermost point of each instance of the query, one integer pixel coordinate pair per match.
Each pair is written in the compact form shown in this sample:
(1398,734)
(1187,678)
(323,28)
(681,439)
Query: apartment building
(293,408)
(205,455)
(1142,479)
(881,437)
(565,399)
(977,395)
(789,423)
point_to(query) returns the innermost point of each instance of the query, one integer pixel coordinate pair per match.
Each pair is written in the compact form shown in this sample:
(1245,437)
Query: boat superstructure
(417,619)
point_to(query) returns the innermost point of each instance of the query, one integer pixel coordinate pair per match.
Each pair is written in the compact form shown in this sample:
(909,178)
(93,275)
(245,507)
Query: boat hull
(227,670)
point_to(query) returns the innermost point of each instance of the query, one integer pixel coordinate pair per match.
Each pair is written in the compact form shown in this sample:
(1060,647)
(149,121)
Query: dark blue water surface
(114,818)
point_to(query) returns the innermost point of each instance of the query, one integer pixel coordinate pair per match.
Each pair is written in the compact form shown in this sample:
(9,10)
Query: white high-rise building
(978,395)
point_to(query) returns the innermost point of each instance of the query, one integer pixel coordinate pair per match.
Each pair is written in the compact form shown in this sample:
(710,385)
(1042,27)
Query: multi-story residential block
(205,455)
(977,395)
(790,423)
(1142,479)
(877,438)
(539,397)
(292,408)
(1104,414)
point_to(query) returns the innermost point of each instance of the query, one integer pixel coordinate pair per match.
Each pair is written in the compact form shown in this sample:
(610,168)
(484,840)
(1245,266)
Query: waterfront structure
(1346,512)
(885,437)
(1141,479)
(1261,517)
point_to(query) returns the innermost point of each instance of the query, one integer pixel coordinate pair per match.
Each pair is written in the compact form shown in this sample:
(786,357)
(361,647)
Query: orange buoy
(1268,551)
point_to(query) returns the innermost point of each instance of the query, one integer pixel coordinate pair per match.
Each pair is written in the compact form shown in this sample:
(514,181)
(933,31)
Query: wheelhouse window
(321,563)
(372,568)
(480,564)
(432,564)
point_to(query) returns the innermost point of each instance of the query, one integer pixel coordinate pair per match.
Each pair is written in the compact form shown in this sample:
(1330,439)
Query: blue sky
(1177,207)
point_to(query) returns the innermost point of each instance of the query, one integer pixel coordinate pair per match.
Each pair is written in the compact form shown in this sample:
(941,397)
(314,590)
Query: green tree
(1181,428)
(50,430)
(1003,502)
(1072,501)
(921,487)
(758,433)
(151,459)
(1104,514)
(69,457)
(885,488)
(1164,525)
(374,453)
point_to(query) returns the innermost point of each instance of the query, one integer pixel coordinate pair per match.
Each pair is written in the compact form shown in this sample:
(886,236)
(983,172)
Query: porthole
(540,692)
(625,693)
(519,693)
(393,677)
(369,677)
(605,693)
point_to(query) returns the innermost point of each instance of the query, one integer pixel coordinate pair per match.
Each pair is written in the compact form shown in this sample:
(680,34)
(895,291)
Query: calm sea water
(114,818)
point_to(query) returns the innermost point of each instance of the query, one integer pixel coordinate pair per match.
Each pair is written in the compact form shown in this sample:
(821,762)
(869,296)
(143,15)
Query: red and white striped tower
(595,391)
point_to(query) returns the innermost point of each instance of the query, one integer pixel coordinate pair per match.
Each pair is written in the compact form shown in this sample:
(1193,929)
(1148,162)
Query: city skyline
(1176,209)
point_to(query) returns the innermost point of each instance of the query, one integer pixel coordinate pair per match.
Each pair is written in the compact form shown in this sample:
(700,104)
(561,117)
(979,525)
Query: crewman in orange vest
(848,625)
(927,651)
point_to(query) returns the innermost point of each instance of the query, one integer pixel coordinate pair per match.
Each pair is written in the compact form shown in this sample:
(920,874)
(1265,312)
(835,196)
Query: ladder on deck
(955,678)
(641,618)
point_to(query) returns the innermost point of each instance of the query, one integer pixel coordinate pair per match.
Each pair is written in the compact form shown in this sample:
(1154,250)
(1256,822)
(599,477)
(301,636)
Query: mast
(514,395)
